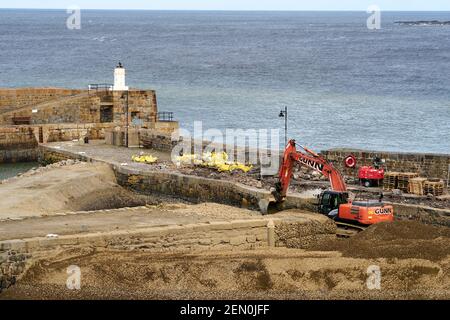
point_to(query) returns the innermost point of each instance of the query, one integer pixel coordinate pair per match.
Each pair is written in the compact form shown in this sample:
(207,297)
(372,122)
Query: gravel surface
(395,240)
(258,274)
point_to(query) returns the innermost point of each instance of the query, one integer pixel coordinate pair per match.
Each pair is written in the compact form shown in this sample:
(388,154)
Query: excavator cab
(331,200)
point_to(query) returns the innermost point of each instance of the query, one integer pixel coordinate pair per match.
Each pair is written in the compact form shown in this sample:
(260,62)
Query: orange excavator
(334,203)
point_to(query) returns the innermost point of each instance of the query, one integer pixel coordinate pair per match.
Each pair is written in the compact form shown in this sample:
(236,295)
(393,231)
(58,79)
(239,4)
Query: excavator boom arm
(314,161)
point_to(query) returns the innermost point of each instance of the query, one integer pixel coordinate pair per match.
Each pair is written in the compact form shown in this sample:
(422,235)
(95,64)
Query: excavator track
(347,230)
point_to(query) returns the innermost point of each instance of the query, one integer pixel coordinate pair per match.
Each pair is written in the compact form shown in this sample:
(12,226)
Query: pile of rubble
(218,161)
(12,265)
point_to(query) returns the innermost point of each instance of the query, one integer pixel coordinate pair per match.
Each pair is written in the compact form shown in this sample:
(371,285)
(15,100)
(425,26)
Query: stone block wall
(152,139)
(165,127)
(12,264)
(17,145)
(46,157)
(140,102)
(117,137)
(191,188)
(426,165)
(20,143)
(242,234)
(69,132)
(11,99)
(12,138)
(247,233)
(76,109)
(56,106)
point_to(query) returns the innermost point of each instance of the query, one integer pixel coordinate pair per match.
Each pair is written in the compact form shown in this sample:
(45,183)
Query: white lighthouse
(119,78)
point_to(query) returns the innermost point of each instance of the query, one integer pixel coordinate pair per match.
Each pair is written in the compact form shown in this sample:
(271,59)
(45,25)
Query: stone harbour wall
(191,188)
(152,139)
(247,233)
(233,234)
(72,109)
(426,165)
(17,137)
(12,99)
(77,110)
(17,145)
(264,231)
(20,143)
(70,132)
(46,157)
(56,106)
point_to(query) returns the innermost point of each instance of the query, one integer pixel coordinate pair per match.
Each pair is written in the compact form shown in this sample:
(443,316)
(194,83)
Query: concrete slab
(98,150)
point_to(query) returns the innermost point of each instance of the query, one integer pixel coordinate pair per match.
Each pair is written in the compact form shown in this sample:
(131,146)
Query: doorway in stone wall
(106,114)
(136,119)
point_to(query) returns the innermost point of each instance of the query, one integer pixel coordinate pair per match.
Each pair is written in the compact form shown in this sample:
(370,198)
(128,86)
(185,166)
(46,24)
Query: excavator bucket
(275,207)
(272,205)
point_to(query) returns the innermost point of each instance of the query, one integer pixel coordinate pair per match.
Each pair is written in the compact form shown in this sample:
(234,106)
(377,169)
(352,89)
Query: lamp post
(126,116)
(284,114)
(448,176)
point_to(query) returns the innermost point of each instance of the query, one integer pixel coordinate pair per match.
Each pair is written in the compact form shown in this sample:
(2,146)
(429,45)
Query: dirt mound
(257,274)
(400,239)
(402,230)
(60,188)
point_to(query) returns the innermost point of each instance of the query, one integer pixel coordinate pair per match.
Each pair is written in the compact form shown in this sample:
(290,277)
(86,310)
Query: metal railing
(100,87)
(165,116)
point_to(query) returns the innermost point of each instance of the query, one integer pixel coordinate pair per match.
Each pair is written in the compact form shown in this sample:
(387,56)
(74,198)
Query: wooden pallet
(434,188)
(403,180)
(416,186)
(390,180)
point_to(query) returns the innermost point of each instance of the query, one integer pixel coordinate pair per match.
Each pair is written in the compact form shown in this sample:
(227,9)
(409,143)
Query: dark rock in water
(423,23)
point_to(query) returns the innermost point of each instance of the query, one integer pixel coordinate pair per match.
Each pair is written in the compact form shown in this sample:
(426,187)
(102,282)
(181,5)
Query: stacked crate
(436,188)
(416,186)
(390,180)
(403,180)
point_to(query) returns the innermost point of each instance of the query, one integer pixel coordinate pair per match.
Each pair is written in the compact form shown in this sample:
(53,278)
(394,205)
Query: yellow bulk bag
(144,159)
